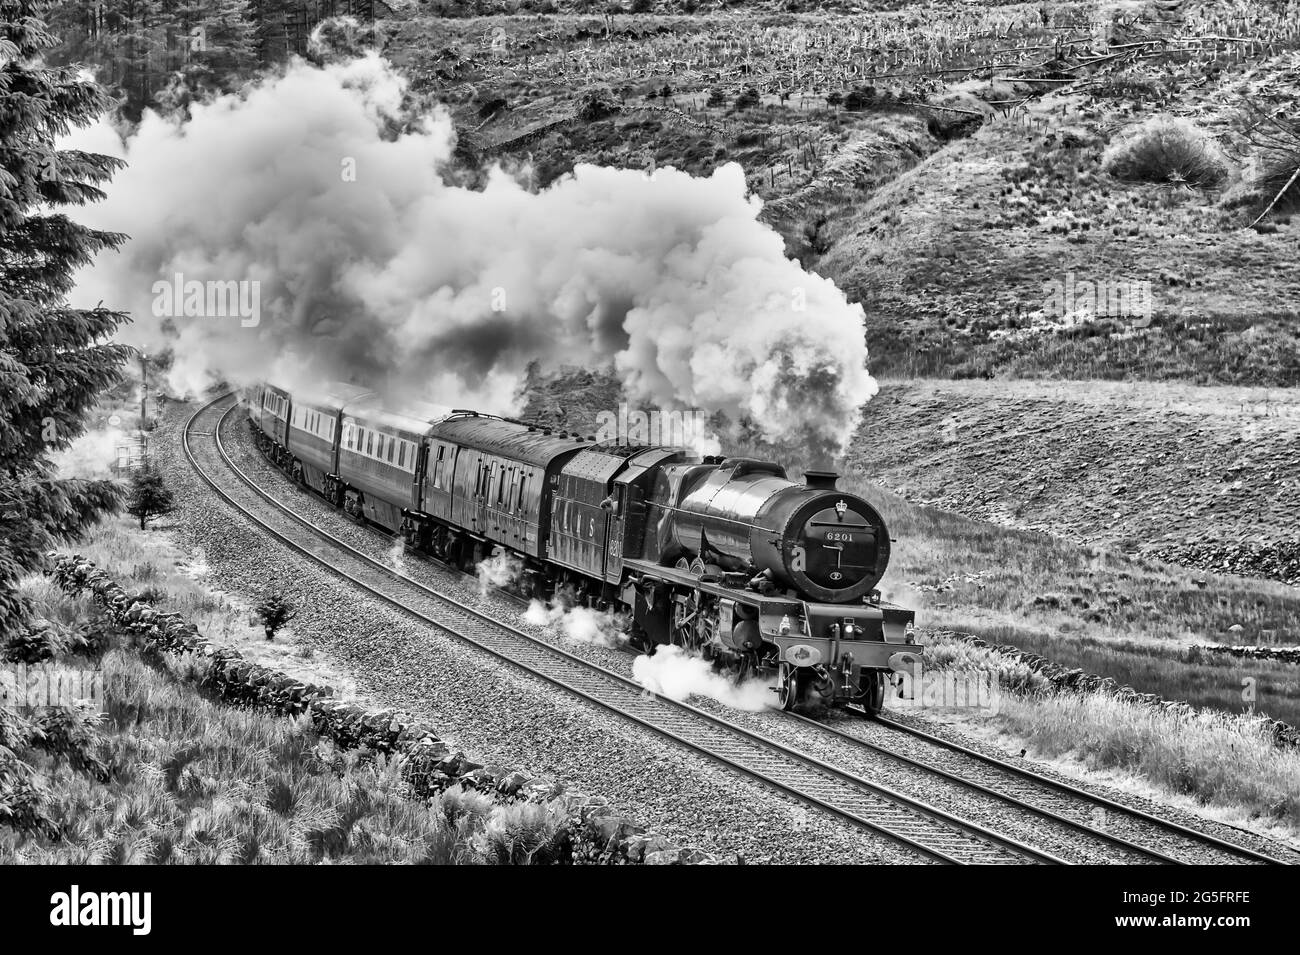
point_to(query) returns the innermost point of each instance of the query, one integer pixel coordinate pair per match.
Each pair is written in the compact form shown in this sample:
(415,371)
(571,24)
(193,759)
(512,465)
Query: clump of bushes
(1166,149)
(44,640)
(748,99)
(275,610)
(1278,179)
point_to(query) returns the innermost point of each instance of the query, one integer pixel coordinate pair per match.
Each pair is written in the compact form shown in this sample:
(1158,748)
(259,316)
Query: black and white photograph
(747,433)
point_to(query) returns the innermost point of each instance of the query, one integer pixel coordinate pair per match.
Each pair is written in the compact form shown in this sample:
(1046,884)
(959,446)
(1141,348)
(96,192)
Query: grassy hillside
(1164,468)
(942,162)
(165,774)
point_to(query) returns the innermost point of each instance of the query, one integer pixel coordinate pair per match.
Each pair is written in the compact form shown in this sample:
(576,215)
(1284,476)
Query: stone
(696,857)
(511,783)
(663,857)
(635,848)
(478,778)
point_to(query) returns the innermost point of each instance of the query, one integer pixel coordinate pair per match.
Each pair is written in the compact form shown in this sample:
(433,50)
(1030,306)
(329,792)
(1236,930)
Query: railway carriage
(490,480)
(381,461)
(269,408)
(724,556)
(315,422)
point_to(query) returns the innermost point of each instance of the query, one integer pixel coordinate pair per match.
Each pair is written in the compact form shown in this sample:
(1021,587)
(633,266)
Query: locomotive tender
(723,556)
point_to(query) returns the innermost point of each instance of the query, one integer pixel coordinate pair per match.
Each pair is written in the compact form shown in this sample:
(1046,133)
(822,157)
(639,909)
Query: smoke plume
(372,266)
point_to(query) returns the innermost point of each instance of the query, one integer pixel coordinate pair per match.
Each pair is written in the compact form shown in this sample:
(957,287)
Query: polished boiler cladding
(745,515)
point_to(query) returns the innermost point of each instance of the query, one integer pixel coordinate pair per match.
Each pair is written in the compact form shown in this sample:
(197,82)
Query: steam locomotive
(722,556)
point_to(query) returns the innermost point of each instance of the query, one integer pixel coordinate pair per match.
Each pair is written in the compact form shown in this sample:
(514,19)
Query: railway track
(930,832)
(934,833)
(1049,797)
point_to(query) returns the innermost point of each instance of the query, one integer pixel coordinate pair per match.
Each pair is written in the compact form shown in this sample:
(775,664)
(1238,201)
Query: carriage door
(614,544)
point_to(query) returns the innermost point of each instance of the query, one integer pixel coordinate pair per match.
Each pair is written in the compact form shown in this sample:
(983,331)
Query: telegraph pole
(144,391)
(144,417)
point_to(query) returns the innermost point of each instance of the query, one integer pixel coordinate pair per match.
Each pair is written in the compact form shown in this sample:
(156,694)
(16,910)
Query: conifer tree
(54,359)
(149,496)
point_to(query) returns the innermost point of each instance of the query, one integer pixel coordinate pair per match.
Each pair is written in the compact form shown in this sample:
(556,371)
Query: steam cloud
(375,269)
(674,673)
(579,624)
(500,571)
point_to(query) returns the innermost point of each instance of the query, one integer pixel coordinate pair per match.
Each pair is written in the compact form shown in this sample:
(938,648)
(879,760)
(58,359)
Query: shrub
(275,610)
(23,803)
(596,105)
(33,645)
(149,496)
(1166,149)
(1278,180)
(73,735)
(524,834)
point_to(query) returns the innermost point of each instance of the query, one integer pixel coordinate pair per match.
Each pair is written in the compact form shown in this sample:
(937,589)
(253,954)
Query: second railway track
(932,832)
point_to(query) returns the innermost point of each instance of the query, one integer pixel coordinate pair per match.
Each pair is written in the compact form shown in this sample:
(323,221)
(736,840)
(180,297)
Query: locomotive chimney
(821,479)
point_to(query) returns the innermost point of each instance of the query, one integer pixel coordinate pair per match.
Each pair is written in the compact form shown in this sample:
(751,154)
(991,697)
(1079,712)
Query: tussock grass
(176,778)
(1278,180)
(947,653)
(1166,149)
(1217,759)
(168,775)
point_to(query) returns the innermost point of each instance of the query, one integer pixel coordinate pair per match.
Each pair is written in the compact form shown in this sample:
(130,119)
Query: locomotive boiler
(744,515)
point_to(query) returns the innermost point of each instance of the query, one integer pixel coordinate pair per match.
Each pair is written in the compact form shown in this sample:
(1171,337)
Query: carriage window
(401,455)
(523,483)
(391,448)
(370,443)
(437,467)
(501,485)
